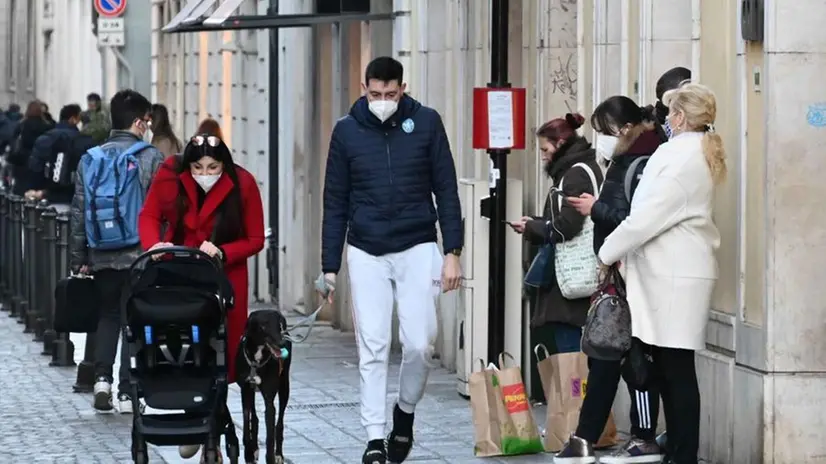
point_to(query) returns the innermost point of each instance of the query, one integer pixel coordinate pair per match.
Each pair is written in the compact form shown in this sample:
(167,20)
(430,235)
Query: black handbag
(607,332)
(638,366)
(77,305)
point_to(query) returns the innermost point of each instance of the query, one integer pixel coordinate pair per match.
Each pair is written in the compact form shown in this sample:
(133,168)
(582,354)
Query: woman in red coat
(212,204)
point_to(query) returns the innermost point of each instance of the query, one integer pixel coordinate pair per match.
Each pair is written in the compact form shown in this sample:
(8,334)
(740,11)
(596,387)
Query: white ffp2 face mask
(606,144)
(383,109)
(207,181)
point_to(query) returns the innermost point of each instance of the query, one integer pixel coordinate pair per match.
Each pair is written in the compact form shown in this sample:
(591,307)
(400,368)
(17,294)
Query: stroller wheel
(140,457)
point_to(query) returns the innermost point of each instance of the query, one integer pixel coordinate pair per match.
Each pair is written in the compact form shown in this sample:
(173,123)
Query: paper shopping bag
(520,434)
(564,379)
(485,405)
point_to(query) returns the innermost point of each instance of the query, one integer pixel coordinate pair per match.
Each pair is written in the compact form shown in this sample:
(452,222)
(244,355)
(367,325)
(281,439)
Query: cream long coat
(667,245)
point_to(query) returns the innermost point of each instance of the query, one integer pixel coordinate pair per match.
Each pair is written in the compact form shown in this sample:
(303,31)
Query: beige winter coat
(667,245)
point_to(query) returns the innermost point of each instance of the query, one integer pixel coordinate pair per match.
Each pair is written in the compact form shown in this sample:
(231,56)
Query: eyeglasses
(210,140)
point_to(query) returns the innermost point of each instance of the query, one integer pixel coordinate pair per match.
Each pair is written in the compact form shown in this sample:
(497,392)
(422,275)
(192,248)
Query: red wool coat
(159,207)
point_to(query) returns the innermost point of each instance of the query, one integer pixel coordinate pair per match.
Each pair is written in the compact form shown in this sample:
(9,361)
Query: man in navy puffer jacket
(388,158)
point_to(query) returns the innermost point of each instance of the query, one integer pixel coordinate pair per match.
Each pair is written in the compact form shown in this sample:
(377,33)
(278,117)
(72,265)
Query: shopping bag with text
(485,406)
(520,434)
(564,379)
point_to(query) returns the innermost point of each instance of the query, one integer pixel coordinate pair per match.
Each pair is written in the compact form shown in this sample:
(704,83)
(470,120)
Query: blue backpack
(113,196)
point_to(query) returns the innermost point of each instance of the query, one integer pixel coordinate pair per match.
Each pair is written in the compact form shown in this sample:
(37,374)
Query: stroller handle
(178,251)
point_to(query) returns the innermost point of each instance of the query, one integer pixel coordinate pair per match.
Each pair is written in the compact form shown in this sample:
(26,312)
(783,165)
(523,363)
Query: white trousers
(411,278)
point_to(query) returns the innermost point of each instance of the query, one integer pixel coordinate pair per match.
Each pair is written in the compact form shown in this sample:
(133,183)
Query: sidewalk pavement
(41,421)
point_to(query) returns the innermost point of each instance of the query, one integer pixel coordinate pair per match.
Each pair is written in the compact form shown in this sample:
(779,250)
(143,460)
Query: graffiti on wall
(562,21)
(564,77)
(562,67)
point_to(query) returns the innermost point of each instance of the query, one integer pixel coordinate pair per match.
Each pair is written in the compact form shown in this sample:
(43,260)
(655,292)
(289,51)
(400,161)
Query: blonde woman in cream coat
(667,246)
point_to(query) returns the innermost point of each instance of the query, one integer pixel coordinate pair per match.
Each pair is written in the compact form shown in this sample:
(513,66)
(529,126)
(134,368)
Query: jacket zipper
(389,162)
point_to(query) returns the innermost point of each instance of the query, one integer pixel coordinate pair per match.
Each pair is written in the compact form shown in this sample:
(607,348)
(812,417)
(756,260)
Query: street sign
(111,32)
(110,8)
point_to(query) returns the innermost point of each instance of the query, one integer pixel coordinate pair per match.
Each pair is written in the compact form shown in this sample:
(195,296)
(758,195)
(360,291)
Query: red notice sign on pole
(498,118)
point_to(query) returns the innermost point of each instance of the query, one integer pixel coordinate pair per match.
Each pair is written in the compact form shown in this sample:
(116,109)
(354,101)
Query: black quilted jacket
(381,180)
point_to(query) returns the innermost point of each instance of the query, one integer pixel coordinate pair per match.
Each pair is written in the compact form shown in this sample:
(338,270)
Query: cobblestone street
(42,421)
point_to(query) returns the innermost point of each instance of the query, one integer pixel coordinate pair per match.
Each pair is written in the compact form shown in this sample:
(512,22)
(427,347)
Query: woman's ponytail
(715,156)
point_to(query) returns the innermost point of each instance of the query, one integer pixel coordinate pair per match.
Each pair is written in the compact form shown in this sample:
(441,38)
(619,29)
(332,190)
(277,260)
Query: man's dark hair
(14,108)
(672,79)
(127,106)
(384,69)
(93,97)
(70,111)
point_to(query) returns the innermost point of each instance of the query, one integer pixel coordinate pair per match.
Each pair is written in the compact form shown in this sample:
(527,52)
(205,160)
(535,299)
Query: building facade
(49,52)
(762,375)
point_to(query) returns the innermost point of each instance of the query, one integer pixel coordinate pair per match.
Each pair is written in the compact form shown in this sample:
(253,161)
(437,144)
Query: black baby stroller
(176,331)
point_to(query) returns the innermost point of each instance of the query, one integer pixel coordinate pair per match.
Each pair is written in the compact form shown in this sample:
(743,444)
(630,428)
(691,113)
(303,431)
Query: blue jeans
(568,338)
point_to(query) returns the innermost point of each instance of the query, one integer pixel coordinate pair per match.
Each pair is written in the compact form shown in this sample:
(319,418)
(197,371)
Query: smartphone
(509,223)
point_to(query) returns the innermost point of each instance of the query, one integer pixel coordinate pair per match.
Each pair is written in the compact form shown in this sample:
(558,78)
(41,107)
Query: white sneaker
(103,395)
(188,451)
(125,403)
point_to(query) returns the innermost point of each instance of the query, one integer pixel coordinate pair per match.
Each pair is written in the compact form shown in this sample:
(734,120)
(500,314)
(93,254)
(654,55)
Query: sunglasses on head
(210,140)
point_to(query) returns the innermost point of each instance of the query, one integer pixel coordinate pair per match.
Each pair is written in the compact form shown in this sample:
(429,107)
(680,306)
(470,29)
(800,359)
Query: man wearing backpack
(110,185)
(55,157)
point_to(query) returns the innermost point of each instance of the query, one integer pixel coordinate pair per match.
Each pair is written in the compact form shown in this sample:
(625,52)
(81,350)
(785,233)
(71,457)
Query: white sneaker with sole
(125,403)
(103,395)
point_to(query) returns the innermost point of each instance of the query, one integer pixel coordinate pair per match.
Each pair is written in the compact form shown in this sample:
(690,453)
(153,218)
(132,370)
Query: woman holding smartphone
(557,321)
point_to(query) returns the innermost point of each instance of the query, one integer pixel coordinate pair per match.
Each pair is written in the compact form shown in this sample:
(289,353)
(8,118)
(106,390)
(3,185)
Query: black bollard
(37,284)
(85,381)
(5,253)
(16,241)
(45,324)
(64,350)
(29,247)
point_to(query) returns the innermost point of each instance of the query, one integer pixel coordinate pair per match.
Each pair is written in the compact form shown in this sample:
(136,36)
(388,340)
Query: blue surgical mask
(667,128)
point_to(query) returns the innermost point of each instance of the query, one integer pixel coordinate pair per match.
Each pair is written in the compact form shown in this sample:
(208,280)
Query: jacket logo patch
(408,125)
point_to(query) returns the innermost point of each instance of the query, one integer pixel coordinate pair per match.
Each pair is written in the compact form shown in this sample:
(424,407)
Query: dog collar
(253,378)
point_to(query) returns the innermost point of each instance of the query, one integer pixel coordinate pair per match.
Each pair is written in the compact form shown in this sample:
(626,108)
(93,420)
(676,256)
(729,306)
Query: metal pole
(273,246)
(28,218)
(46,322)
(498,194)
(64,350)
(5,253)
(38,285)
(16,242)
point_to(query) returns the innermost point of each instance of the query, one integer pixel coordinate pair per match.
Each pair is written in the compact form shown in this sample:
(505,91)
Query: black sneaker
(635,451)
(576,451)
(375,453)
(400,440)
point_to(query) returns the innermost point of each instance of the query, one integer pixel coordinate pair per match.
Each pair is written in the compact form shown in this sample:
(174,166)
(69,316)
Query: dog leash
(308,322)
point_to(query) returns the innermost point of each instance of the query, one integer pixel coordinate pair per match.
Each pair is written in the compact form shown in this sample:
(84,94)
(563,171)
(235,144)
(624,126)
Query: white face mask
(206,181)
(606,144)
(383,109)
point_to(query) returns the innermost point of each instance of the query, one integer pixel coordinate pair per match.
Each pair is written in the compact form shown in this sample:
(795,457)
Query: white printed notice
(500,119)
